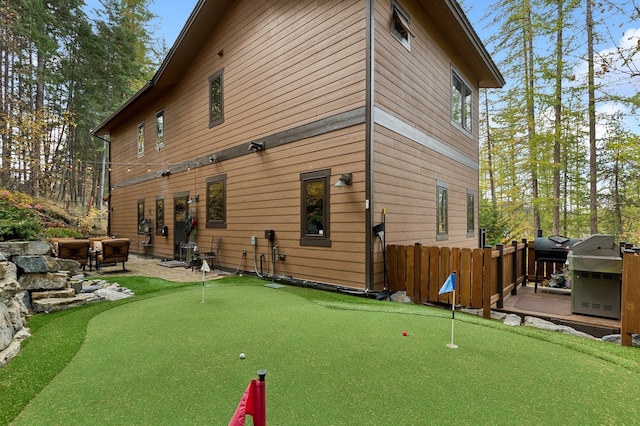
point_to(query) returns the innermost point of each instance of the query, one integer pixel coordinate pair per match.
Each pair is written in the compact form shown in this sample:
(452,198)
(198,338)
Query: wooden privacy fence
(630,308)
(484,276)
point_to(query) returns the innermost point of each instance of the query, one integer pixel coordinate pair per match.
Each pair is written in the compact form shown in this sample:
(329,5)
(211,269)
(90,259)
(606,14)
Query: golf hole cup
(242,355)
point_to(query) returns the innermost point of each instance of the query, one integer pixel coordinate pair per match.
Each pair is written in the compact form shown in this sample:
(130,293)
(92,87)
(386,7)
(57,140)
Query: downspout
(369,146)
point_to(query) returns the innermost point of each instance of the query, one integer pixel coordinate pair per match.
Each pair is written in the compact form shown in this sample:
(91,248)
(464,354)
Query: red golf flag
(253,403)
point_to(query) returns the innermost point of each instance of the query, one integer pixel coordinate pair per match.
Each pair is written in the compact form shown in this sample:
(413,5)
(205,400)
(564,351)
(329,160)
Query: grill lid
(555,247)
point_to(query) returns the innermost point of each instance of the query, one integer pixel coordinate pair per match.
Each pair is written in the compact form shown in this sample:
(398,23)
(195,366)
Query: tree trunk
(593,190)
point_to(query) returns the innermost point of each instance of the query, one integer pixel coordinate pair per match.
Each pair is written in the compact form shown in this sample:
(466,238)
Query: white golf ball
(242,355)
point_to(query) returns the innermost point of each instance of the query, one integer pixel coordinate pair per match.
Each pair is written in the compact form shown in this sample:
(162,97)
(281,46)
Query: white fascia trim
(398,126)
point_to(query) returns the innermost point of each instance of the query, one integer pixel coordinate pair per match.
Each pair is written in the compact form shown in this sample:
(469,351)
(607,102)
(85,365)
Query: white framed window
(461,105)
(401,25)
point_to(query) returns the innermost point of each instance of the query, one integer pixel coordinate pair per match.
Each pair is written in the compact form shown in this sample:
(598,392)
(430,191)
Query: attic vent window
(400,27)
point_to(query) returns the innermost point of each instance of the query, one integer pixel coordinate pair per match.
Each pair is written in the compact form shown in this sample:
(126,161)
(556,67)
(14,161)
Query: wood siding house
(261,107)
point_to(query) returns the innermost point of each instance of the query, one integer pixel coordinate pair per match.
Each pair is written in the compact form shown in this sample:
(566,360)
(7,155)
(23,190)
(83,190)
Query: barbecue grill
(596,272)
(553,249)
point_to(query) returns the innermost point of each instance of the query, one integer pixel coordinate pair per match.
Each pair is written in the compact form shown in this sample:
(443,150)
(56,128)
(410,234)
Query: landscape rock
(9,352)
(49,294)
(548,325)
(111,294)
(23,334)
(31,264)
(6,327)
(615,338)
(43,281)
(23,299)
(512,320)
(400,297)
(66,265)
(56,304)
(15,316)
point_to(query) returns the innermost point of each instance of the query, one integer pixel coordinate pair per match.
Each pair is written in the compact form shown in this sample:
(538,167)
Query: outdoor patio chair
(112,252)
(212,255)
(77,250)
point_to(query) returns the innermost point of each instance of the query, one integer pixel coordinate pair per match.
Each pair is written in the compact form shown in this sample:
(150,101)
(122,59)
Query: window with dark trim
(159,214)
(159,129)
(140,216)
(442,214)
(460,102)
(471,213)
(216,202)
(140,134)
(216,99)
(400,25)
(314,208)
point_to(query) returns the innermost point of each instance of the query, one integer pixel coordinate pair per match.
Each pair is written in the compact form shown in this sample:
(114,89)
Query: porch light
(344,181)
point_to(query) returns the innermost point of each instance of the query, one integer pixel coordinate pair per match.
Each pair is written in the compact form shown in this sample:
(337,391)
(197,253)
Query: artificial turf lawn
(330,360)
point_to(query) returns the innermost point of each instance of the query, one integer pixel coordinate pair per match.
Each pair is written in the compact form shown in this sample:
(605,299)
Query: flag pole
(453,315)
(205,268)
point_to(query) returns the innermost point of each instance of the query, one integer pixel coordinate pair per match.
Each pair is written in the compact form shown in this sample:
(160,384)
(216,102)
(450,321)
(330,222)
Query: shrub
(61,233)
(18,217)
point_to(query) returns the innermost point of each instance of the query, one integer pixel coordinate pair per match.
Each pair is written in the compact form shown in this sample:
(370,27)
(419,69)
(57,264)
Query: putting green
(174,360)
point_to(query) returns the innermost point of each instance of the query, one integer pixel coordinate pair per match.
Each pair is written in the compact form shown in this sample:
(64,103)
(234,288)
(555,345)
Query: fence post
(417,294)
(486,283)
(525,268)
(514,267)
(500,277)
(630,309)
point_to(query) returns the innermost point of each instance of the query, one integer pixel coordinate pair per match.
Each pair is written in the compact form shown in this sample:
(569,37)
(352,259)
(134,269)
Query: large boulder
(31,264)
(25,248)
(9,352)
(57,304)
(44,281)
(6,327)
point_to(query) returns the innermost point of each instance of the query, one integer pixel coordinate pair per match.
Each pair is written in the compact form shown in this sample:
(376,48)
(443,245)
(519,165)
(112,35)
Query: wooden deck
(555,306)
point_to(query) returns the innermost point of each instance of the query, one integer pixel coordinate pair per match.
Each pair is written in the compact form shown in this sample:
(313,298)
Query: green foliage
(18,217)
(49,233)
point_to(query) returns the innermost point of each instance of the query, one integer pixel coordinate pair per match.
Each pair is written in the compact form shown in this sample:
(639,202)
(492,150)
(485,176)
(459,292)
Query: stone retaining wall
(31,281)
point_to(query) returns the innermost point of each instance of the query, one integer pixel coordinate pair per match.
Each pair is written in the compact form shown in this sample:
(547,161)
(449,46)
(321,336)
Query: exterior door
(180,210)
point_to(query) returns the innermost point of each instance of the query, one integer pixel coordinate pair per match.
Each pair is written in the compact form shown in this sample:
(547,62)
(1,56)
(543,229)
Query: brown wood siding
(285,63)
(263,192)
(406,176)
(415,85)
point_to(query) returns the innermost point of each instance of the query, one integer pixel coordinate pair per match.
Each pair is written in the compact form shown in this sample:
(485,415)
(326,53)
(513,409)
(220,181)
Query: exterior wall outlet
(254,240)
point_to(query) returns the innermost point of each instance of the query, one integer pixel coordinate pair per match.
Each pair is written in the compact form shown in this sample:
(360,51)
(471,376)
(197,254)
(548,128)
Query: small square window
(216,99)
(442,213)
(400,25)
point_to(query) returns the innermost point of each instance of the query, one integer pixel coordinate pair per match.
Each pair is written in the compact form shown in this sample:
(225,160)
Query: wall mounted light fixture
(213,158)
(344,181)
(256,146)
(166,173)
